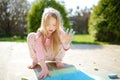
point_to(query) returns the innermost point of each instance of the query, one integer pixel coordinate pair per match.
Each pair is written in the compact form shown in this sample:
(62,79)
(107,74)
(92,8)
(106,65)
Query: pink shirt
(49,54)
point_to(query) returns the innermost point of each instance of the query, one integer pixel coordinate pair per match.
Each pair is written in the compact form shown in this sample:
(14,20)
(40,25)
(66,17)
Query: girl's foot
(32,66)
(59,65)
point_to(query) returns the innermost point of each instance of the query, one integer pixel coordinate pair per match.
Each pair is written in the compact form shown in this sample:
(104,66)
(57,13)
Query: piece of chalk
(95,68)
(113,76)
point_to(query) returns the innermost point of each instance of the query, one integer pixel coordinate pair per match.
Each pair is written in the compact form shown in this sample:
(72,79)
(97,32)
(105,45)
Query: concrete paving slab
(96,60)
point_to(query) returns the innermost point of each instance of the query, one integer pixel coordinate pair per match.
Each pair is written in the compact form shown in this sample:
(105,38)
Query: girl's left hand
(67,37)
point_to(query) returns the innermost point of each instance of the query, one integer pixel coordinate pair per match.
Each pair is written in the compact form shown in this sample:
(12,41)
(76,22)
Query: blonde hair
(55,41)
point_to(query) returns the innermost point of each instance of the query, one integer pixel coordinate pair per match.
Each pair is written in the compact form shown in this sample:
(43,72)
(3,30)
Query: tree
(13,17)
(105,21)
(4,19)
(80,20)
(35,14)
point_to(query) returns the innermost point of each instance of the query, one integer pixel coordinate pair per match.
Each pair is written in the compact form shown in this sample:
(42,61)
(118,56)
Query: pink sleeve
(39,49)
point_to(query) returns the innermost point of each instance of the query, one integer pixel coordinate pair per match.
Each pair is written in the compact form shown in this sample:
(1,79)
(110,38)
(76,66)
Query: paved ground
(14,59)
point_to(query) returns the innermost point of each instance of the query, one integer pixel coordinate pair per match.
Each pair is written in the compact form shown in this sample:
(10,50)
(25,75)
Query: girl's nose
(50,26)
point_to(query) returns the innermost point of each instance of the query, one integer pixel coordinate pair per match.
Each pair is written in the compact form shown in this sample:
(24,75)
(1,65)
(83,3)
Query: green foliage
(104,23)
(35,14)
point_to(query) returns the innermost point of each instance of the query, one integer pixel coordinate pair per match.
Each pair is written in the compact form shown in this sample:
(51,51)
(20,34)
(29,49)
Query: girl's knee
(31,36)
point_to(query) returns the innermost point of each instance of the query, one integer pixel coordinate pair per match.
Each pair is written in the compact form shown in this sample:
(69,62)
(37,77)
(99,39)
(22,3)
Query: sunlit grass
(24,79)
(77,39)
(12,39)
(86,39)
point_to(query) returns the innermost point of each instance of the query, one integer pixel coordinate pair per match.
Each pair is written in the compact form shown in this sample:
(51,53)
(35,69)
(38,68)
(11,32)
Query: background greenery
(13,17)
(77,39)
(35,14)
(104,23)
(18,17)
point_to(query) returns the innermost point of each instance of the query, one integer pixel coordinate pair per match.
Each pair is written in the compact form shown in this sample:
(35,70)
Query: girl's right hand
(44,73)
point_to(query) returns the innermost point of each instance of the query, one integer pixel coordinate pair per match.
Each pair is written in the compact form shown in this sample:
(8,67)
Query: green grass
(24,79)
(86,39)
(11,39)
(77,39)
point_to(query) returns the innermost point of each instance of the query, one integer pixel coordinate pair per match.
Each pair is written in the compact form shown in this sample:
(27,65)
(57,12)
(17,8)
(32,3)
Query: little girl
(49,42)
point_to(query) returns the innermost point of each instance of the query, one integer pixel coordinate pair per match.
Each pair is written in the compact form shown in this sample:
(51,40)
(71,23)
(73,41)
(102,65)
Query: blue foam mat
(68,74)
(71,76)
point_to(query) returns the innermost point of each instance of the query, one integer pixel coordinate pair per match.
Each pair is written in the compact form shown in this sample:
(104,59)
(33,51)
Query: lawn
(86,39)
(77,39)
(12,39)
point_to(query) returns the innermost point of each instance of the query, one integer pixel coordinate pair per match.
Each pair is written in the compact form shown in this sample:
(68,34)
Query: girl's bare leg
(32,66)
(59,65)
(59,58)
(31,46)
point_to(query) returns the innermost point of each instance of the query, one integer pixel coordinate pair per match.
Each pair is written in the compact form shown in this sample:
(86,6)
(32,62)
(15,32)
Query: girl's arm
(39,50)
(41,58)
(44,71)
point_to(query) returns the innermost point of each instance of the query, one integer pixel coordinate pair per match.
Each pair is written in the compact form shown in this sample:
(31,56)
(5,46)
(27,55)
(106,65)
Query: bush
(35,14)
(104,23)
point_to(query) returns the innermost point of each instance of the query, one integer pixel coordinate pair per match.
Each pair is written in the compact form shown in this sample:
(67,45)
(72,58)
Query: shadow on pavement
(86,46)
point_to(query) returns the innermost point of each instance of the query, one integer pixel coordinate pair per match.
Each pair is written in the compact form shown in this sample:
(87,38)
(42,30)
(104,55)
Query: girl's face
(51,25)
